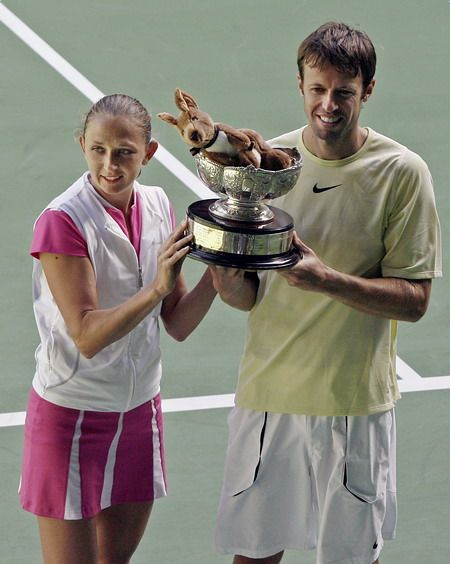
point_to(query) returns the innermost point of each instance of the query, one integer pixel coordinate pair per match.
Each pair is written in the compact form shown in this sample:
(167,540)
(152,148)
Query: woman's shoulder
(69,194)
(55,232)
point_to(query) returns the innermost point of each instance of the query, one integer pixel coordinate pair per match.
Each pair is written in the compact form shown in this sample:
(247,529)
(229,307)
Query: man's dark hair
(347,49)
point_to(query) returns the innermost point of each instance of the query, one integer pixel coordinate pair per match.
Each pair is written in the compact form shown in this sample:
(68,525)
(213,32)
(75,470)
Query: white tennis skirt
(76,463)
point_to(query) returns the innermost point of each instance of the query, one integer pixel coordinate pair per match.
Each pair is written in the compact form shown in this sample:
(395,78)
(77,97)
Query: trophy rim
(247,183)
(201,156)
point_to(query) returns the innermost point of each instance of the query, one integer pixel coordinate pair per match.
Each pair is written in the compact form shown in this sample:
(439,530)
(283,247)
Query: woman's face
(115,151)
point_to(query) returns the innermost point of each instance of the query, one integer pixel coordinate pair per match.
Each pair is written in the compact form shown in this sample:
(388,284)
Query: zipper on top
(117,231)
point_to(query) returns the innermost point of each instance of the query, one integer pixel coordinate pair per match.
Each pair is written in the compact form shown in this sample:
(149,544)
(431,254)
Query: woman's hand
(171,256)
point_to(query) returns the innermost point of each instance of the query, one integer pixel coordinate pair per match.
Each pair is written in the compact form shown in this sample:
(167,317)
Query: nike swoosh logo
(318,190)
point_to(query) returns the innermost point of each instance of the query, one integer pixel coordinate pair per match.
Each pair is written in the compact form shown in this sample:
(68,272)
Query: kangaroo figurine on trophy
(221,142)
(238,229)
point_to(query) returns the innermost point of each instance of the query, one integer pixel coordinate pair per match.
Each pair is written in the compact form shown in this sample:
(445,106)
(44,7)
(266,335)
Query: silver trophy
(239,229)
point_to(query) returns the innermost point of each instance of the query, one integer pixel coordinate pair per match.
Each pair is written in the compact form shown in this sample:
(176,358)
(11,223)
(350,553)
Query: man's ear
(369,90)
(300,84)
(151,149)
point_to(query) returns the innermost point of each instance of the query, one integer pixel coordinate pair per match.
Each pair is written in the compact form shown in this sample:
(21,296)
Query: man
(311,455)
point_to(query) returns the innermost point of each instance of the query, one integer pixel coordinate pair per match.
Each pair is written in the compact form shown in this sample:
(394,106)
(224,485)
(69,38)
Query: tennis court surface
(238,59)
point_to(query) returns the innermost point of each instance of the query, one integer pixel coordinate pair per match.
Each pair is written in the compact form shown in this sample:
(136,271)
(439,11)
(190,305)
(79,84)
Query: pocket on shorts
(366,465)
(246,430)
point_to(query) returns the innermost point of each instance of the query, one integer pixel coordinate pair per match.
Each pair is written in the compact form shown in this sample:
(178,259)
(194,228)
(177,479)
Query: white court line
(425,384)
(168,406)
(405,372)
(49,55)
(83,85)
(12,419)
(409,379)
(198,403)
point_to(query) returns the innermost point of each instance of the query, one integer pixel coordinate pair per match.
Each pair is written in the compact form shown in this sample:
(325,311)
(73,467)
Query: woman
(106,268)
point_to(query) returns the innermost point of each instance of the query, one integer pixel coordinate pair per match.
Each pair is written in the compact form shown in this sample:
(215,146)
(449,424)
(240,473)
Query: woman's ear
(151,149)
(81,140)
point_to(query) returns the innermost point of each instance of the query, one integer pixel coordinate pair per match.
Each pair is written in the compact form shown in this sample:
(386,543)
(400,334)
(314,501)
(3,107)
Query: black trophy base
(243,245)
(246,262)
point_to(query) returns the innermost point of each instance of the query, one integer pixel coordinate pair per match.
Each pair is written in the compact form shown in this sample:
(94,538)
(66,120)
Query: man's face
(332,102)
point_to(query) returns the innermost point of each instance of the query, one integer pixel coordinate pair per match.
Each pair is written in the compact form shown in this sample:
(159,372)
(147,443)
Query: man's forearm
(393,298)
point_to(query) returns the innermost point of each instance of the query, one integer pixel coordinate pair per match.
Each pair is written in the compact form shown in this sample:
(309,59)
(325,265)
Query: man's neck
(334,149)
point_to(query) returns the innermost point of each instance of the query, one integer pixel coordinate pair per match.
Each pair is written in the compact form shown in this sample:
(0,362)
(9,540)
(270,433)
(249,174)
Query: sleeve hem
(412,275)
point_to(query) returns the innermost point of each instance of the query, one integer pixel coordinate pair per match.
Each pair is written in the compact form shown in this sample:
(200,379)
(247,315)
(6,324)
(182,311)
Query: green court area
(238,59)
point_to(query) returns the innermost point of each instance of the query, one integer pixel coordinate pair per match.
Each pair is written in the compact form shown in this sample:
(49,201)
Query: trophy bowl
(245,188)
(239,229)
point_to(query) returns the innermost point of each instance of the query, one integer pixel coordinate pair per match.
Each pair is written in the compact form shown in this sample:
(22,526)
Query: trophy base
(236,244)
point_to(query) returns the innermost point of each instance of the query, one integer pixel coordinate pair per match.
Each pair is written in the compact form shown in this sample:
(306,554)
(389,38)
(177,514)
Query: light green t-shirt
(372,212)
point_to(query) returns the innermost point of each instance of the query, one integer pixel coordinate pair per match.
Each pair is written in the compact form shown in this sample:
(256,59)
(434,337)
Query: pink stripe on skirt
(76,463)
